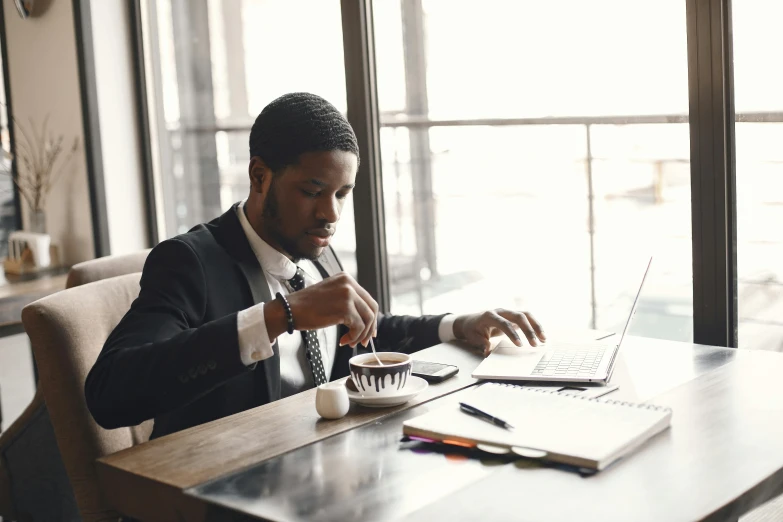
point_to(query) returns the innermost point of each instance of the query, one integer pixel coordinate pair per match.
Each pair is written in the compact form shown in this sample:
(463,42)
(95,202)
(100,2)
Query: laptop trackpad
(509,361)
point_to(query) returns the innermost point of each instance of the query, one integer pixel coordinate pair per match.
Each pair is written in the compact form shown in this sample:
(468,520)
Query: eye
(342,196)
(310,194)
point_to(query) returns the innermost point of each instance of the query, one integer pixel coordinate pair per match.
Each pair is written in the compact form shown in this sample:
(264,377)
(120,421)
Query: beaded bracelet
(288,314)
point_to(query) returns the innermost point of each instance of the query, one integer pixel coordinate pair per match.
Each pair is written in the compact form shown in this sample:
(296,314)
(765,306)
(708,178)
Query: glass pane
(759,133)
(555,205)
(7,203)
(214,65)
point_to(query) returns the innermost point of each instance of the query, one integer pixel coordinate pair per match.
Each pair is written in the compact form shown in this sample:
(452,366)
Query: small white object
(37,243)
(331,400)
(491,448)
(415,386)
(529,453)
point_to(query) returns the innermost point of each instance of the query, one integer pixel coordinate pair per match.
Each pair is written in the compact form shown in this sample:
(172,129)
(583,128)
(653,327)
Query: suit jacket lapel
(328,264)
(233,239)
(261,294)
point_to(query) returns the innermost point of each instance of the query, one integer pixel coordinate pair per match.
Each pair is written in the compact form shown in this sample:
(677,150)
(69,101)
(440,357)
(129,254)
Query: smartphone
(433,372)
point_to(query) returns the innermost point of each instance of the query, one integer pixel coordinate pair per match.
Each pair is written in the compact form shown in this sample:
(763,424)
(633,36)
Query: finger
(536,326)
(507,327)
(347,321)
(368,320)
(363,327)
(352,318)
(486,347)
(355,324)
(520,320)
(371,327)
(372,303)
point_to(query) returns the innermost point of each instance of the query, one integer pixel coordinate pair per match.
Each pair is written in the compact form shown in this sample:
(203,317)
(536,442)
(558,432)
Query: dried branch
(56,176)
(40,162)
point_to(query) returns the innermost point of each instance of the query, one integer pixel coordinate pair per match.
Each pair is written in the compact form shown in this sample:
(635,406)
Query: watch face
(25,7)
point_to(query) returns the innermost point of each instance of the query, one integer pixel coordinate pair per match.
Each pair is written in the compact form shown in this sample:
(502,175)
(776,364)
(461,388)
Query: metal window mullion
(362,94)
(92,134)
(10,119)
(142,110)
(713,204)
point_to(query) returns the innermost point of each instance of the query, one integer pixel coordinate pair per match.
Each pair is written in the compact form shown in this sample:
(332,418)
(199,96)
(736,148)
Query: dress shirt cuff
(254,342)
(446,328)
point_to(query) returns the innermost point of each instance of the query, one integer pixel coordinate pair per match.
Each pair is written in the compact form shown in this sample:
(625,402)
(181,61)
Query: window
(212,66)
(758,86)
(8,212)
(532,153)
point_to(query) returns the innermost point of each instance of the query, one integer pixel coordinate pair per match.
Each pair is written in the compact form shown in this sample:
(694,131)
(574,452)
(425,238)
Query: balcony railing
(398,120)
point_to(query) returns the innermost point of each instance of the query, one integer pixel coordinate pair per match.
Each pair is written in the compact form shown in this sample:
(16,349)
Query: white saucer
(415,386)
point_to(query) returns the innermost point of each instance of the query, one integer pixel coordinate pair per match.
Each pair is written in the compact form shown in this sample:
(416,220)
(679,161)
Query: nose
(329,210)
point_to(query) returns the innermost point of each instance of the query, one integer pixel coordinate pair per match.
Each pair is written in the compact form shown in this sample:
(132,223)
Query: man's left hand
(477,329)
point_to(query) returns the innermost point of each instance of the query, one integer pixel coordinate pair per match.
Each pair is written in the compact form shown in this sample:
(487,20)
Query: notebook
(567,429)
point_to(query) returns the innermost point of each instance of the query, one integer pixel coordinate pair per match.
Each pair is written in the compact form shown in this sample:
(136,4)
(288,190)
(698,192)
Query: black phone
(433,372)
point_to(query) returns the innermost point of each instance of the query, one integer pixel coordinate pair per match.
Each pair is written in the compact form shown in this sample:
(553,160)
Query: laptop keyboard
(580,362)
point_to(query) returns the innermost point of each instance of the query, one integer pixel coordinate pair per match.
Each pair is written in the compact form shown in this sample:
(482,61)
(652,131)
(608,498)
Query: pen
(471,410)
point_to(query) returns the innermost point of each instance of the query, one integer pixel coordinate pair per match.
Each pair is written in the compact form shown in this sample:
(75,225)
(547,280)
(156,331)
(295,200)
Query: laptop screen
(635,303)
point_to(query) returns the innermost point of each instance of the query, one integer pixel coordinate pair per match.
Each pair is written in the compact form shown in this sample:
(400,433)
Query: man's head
(303,162)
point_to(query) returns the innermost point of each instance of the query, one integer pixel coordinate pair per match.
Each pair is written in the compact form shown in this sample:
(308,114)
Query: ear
(260,175)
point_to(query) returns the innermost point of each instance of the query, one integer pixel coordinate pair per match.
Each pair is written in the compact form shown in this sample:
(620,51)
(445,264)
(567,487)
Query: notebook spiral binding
(627,404)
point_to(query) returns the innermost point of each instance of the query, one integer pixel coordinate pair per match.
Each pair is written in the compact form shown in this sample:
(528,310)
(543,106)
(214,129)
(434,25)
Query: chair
(67,331)
(106,267)
(31,467)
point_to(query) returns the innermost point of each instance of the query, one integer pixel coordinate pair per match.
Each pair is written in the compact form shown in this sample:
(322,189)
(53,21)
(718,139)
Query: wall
(119,132)
(44,79)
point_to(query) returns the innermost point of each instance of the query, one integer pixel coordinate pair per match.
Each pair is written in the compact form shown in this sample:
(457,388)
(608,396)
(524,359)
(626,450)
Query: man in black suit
(212,332)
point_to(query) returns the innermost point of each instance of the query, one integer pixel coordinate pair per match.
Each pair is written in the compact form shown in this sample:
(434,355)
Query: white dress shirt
(254,344)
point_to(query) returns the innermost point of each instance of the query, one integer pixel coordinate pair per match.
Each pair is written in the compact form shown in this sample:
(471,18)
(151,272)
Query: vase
(37,221)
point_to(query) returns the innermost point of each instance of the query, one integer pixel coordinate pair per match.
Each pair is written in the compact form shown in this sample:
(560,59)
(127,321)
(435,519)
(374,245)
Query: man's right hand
(336,300)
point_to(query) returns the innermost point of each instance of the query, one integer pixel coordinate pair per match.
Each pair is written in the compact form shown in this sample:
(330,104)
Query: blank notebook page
(591,429)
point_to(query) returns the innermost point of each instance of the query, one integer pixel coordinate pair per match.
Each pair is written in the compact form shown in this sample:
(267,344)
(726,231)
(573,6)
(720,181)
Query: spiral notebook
(568,429)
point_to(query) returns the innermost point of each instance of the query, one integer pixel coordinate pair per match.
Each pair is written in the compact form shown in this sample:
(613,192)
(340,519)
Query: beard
(274,227)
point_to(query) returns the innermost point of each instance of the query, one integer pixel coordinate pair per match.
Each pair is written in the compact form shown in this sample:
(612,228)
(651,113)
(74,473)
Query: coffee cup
(374,380)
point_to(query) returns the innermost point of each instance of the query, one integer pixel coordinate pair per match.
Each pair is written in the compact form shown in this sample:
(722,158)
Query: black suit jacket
(175,356)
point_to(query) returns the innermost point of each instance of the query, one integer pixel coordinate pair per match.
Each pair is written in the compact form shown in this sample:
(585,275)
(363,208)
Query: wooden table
(722,457)
(17,291)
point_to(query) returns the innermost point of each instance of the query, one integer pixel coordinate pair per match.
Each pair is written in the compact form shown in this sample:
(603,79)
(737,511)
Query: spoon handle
(372,345)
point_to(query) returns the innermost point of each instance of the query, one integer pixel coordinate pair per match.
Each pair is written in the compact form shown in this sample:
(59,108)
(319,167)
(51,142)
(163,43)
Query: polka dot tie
(312,346)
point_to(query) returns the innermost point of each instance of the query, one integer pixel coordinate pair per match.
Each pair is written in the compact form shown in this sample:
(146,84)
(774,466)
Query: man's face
(304,202)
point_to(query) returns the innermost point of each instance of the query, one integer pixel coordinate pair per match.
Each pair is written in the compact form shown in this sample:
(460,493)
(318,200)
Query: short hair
(298,123)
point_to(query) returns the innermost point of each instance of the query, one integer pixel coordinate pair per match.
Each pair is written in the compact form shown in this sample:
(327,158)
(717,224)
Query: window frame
(713,172)
(9,118)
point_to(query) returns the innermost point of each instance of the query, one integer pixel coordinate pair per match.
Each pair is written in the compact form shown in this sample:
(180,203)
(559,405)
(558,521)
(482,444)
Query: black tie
(312,346)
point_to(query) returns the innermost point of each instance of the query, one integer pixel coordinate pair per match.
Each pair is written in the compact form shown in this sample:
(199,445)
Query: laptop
(556,361)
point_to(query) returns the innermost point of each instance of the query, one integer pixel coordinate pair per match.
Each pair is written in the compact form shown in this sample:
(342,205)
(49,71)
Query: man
(252,306)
